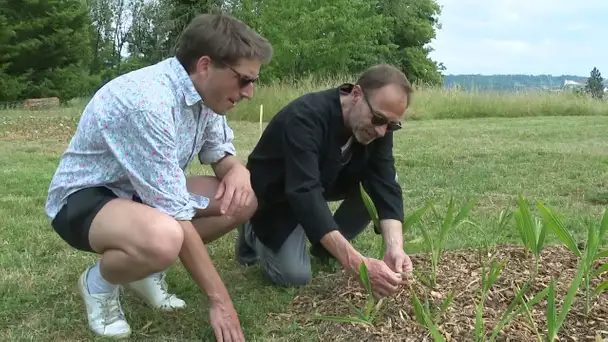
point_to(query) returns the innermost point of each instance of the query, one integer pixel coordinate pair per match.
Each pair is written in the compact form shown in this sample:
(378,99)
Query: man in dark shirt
(319,148)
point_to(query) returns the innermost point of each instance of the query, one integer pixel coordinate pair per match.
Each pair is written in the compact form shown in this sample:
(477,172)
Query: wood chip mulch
(459,271)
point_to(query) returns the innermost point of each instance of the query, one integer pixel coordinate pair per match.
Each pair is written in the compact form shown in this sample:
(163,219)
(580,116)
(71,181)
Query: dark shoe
(245,254)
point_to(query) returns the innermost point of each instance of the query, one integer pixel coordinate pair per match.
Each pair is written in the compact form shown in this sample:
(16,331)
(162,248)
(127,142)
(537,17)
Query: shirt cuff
(215,155)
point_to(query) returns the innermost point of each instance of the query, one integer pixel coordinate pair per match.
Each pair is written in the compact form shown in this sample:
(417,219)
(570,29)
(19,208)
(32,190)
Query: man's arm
(343,251)
(224,165)
(392,232)
(195,258)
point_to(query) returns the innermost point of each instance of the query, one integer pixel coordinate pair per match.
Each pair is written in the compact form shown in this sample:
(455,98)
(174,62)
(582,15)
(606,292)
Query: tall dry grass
(428,102)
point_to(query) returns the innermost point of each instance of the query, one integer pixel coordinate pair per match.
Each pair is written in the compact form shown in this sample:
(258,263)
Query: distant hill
(515,82)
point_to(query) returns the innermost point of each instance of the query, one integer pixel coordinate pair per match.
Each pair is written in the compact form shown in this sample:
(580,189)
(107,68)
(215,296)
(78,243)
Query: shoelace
(111,309)
(160,280)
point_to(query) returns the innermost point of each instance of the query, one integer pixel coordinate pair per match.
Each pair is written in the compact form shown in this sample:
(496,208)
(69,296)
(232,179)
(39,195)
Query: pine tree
(46,46)
(10,86)
(595,84)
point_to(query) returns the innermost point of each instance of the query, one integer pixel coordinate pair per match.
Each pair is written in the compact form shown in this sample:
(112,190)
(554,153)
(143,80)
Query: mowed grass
(562,161)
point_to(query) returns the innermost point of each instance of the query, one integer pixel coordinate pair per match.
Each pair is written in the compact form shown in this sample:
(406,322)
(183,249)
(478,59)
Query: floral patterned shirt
(137,135)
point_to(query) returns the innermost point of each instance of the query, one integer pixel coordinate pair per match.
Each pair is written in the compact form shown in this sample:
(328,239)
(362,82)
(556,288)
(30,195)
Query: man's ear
(203,64)
(357,91)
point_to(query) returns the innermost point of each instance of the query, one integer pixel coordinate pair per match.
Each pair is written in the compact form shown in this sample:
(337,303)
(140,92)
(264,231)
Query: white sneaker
(154,290)
(104,312)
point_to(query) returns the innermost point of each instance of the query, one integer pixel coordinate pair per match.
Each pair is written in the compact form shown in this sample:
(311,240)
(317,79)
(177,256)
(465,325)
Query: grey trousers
(290,266)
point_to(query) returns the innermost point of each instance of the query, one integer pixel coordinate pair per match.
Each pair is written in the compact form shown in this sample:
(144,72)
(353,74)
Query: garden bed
(461,272)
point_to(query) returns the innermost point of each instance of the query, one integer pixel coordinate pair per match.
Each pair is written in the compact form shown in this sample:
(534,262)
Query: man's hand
(398,261)
(383,280)
(235,190)
(225,322)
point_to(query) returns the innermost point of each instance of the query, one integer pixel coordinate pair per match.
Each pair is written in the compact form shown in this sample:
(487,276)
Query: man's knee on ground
(294,276)
(161,243)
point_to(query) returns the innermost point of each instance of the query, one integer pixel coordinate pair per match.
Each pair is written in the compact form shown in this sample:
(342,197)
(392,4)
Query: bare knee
(162,243)
(246,212)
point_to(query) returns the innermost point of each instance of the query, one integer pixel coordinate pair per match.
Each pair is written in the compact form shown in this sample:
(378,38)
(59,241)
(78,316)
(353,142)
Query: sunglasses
(379,119)
(243,79)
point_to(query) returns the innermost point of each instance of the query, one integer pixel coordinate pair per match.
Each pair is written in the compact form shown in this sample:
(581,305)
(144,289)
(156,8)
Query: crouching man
(120,189)
(319,148)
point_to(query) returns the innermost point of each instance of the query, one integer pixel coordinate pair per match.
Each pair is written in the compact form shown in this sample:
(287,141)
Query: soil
(459,271)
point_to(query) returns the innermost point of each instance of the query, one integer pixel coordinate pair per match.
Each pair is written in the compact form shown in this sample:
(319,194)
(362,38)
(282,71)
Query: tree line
(70,48)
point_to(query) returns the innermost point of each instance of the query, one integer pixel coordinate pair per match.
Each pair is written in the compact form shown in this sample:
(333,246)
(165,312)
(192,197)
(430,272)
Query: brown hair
(223,38)
(381,75)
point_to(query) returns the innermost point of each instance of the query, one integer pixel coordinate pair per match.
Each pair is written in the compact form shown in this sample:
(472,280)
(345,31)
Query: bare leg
(210,223)
(134,240)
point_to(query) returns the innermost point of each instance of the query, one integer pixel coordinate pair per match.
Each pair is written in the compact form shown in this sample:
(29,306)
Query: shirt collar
(191,96)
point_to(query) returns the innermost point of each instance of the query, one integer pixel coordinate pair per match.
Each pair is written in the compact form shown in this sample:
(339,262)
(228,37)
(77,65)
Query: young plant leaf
(357,311)
(541,236)
(510,312)
(365,278)
(552,325)
(600,255)
(600,288)
(445,304)
(525,225)
(369,307)
(415,216)
(600,270)
(557,226)
(584,265)
(371,208)
(604,225)
(479,329)
(463,213)
(423,317)
(341,319)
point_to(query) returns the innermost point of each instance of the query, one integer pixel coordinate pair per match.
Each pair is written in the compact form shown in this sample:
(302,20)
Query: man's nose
(247,91)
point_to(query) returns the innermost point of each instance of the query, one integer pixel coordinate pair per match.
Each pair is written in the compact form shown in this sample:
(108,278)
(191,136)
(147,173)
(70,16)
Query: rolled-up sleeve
(143,142)
(219,141)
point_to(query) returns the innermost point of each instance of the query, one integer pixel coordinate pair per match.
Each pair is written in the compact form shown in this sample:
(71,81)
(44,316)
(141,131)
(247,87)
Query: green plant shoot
(531,230)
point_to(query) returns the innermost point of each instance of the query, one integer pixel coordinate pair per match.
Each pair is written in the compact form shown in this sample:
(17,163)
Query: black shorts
(73,221)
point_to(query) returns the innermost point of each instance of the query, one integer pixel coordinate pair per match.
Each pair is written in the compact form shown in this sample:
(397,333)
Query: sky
(556,37)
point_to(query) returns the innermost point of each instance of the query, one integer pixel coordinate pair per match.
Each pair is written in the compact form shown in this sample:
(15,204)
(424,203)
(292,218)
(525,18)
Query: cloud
(522,36)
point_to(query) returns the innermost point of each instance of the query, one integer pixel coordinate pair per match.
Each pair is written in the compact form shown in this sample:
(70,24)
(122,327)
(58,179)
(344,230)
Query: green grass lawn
(562,161)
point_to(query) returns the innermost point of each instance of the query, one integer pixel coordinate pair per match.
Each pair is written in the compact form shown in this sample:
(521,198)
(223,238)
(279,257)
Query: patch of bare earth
(459,271)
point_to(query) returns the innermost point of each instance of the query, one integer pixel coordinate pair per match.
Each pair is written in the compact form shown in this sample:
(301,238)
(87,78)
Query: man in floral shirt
(120,189)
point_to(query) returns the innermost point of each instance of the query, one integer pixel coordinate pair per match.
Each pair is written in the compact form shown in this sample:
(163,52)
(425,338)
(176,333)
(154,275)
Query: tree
(595,84)
(150,26)
(322,37)
(317,37)
(47,47)
(413,25)
(181,13)
(10,85)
